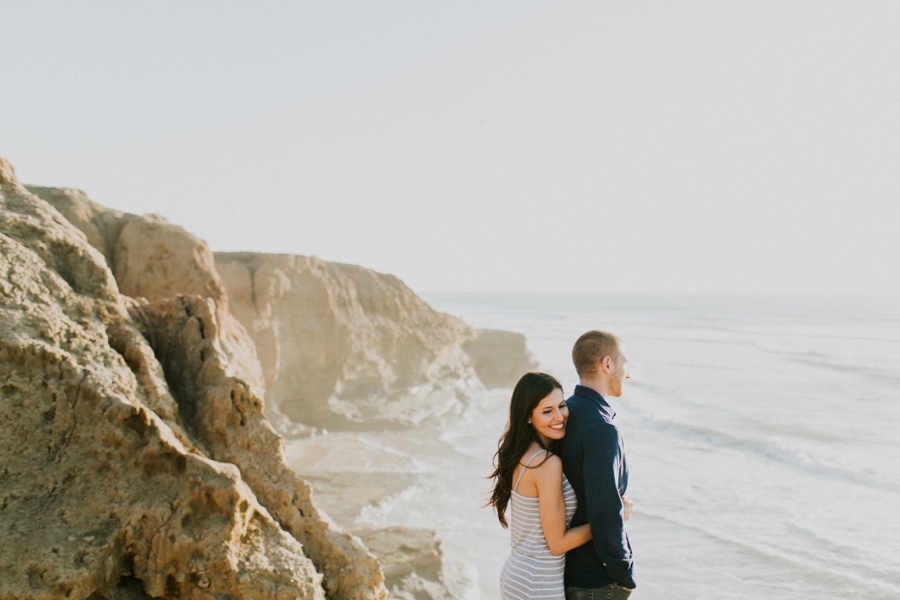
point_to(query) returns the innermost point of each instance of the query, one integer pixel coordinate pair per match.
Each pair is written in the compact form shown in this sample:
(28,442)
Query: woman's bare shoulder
(551,464)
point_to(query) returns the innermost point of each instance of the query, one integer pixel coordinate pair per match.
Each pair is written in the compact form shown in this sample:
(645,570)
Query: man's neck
(598,385)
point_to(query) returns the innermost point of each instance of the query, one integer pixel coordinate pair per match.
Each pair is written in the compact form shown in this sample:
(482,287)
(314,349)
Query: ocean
(761,434)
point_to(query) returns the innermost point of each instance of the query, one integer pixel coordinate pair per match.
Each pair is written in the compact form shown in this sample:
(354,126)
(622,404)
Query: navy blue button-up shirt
(594,463)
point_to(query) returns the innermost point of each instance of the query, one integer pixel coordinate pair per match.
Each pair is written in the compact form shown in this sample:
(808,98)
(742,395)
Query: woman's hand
(627,508)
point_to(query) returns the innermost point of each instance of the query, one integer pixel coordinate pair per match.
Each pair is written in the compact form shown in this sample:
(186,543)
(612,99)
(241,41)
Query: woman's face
(549,417)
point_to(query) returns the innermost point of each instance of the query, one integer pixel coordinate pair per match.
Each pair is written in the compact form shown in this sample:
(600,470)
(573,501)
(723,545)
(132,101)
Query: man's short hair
(590,350)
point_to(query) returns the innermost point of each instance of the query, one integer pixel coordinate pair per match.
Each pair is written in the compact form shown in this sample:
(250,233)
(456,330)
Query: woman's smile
(549,417)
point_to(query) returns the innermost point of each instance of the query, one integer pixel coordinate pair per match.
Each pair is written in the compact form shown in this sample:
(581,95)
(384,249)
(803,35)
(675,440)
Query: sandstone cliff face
(135,458)
(226,418)
(500,357)
(125,476)
(415,567)
(342,343)
(99,224)
(151,258)
(328,343)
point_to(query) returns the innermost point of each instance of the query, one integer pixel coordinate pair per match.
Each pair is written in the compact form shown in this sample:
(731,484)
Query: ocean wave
(845,573)
(379,513)
(882,375)
(768,450)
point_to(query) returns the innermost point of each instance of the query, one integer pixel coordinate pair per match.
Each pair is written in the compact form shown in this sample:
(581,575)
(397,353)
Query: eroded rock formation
(122,475)
(226,417)
(415,566)
(500,357)
(340,342)
(328,343)
(135,456)
(151,258)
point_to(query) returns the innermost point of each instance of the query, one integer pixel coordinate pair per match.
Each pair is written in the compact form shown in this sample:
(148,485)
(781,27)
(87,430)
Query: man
(594,463)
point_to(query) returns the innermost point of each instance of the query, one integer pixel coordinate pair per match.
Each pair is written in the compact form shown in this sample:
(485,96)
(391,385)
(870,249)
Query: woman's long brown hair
(529,391)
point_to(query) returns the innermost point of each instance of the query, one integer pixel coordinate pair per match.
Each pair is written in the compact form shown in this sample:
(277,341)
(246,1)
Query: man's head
(600,361)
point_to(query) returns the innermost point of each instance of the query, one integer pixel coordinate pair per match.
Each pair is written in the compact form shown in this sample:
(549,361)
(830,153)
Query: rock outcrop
(328,343)
(135,461)
(500,357)
(341,343)
(151,258)
(415,566)
(226,418)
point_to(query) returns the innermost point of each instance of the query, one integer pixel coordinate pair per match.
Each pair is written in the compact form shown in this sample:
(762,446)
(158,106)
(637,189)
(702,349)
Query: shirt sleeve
(602,459)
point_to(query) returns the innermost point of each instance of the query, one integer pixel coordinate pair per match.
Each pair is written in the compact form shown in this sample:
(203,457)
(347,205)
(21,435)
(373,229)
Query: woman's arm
(552,506)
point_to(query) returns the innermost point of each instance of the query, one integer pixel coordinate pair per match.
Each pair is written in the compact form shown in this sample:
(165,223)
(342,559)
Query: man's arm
(602,456)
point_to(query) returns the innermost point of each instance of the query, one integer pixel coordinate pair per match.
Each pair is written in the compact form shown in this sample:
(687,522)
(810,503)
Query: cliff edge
(342,344)
(138,457)
(135,463)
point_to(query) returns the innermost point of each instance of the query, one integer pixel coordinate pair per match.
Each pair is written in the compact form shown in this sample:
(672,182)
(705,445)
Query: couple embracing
(561,472)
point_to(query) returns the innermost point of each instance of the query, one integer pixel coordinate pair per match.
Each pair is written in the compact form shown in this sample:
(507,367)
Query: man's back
(594,463)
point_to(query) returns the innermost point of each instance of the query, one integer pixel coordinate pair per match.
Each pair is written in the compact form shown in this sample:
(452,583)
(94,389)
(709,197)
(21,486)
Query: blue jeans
(613,591)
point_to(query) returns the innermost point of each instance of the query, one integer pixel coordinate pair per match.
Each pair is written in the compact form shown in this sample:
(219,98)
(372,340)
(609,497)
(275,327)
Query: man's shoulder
(593,430)
(600,431)
(587,412)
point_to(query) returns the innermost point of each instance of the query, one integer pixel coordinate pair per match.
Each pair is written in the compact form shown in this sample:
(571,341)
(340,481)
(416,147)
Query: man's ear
(606,363)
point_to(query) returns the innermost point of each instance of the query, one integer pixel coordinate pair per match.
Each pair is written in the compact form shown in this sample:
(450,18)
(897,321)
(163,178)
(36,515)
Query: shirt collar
(596,398)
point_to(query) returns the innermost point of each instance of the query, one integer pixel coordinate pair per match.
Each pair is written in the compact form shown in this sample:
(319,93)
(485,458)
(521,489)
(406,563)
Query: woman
(530,480)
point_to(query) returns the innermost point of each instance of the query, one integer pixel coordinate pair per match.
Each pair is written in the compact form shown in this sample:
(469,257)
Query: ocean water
(761,433)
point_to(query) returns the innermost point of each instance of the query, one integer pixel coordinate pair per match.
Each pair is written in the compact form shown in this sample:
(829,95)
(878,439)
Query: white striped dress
(532,571)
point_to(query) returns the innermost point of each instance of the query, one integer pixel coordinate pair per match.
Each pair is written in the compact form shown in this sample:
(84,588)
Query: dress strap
(519,478)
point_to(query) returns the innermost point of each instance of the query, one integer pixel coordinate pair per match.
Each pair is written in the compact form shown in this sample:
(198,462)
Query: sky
(671,147)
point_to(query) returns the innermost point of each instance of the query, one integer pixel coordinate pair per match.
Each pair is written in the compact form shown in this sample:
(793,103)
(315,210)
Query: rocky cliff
(500,358)
(343,343)
(154,259)
(328,343)
(134,460)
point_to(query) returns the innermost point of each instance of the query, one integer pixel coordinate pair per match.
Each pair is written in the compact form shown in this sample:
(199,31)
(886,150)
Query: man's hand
(627,507)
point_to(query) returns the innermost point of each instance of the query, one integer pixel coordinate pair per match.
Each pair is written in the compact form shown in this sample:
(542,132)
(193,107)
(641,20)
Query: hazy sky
(483,146)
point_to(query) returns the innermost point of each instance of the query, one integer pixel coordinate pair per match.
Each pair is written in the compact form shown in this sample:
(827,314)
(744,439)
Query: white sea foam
(381,514)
